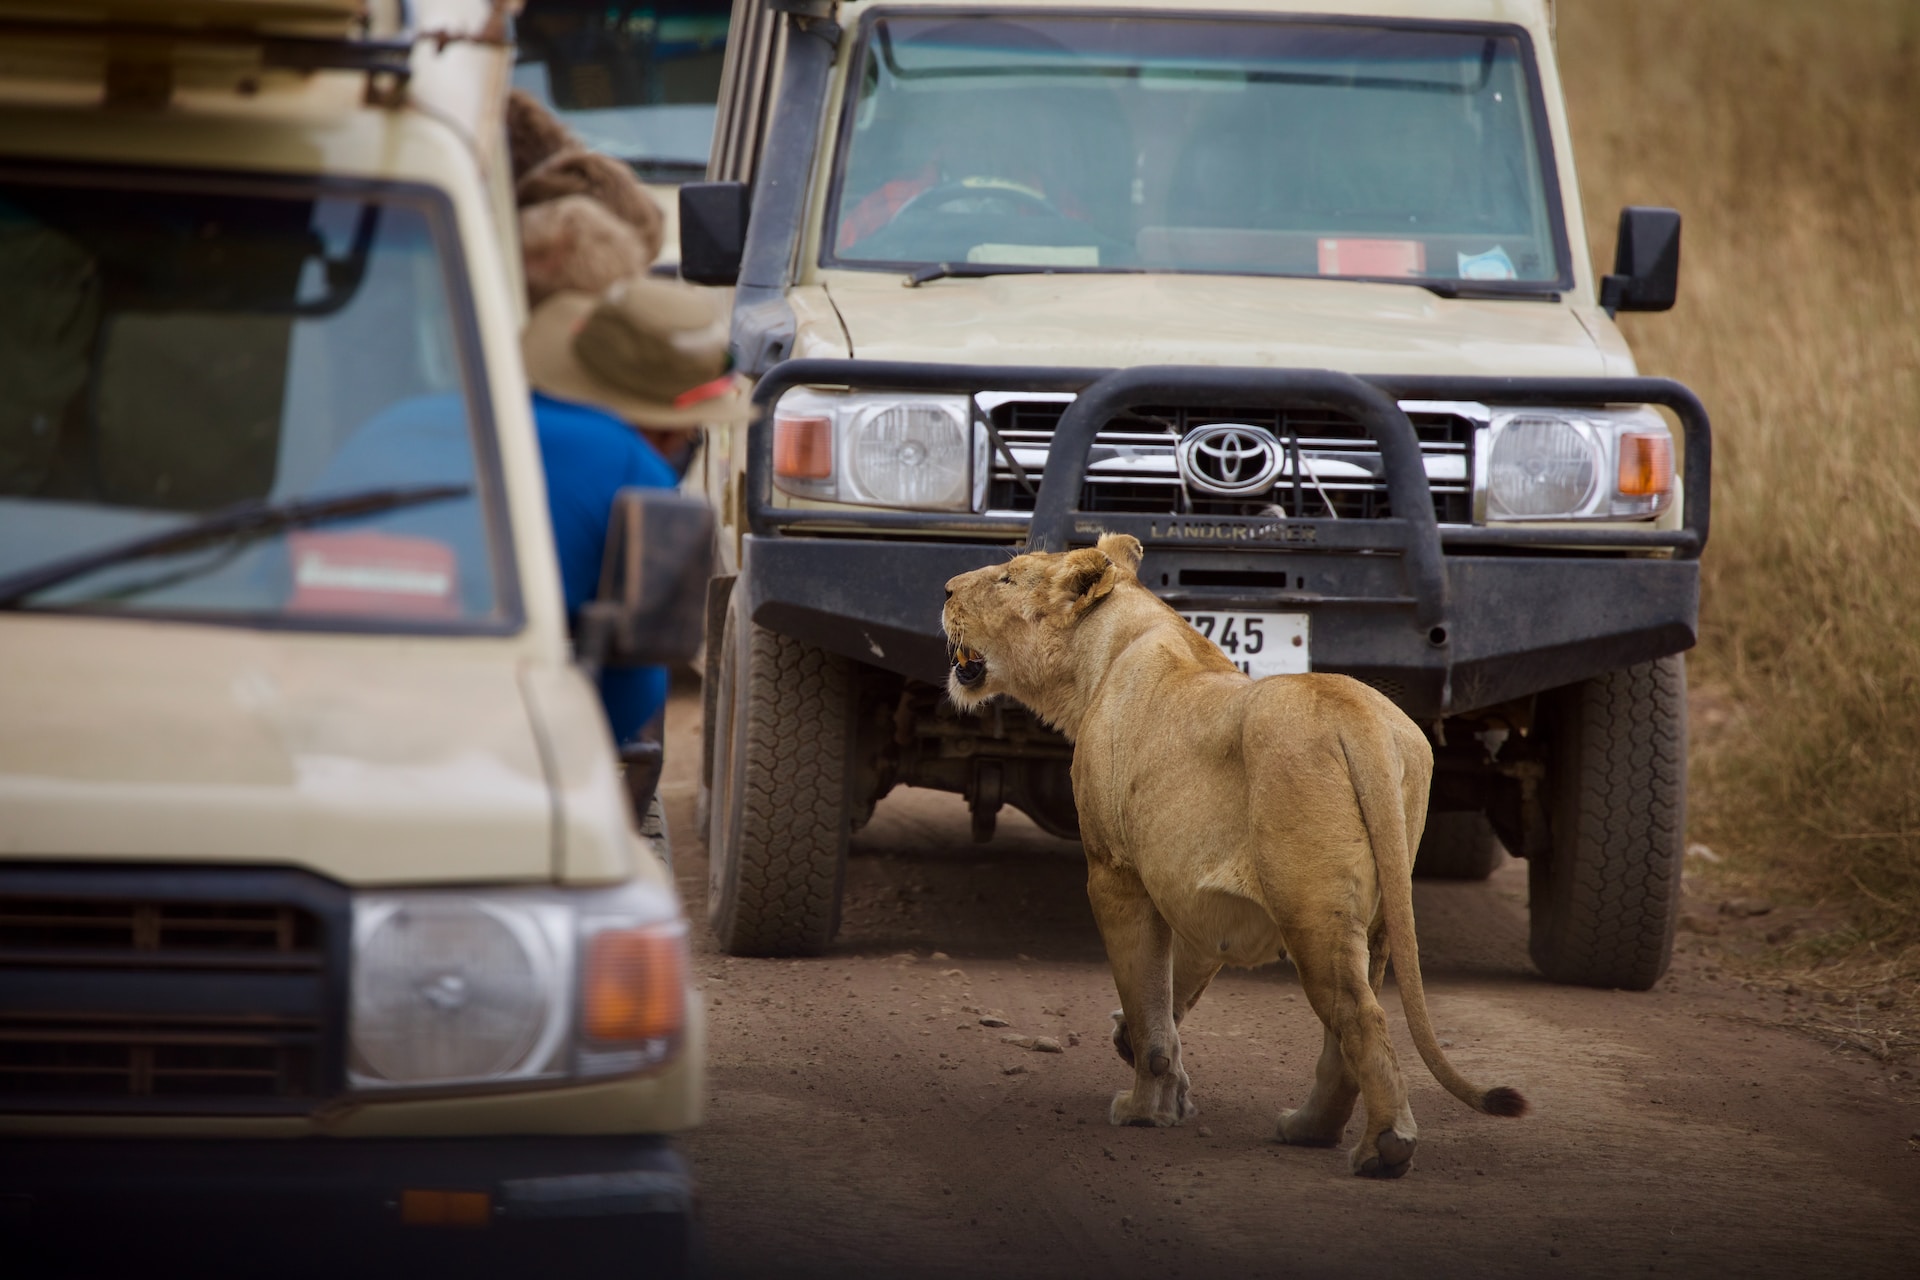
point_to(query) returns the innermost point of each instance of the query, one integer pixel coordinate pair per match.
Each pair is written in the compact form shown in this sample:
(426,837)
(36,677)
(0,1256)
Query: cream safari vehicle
(323,921)
(1297,294)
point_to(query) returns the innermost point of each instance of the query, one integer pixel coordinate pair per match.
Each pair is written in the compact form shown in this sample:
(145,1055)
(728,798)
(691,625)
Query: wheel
(1605,897)
(1458,846)
(777,826)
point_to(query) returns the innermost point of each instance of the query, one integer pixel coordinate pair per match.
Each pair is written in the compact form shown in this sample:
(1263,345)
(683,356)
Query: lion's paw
(1298,1129)
(1391,1157)
(1126,1111)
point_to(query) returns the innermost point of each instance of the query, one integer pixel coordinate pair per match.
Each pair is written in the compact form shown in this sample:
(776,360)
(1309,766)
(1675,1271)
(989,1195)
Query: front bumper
(535,1205)
(1443,620)
(1519,625)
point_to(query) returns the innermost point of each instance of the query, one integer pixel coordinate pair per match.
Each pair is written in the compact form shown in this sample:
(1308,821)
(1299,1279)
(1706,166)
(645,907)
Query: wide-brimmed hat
(652,351)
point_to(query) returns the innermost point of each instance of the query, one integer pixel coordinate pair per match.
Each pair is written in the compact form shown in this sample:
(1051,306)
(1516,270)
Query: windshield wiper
(241,523)
(1476,290)
(976,270)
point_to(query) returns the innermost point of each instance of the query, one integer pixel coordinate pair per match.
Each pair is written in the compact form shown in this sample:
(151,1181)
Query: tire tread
(790,833)
(1604,909)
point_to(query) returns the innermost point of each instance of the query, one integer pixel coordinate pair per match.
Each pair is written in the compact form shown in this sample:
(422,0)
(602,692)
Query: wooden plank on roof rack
(279,17)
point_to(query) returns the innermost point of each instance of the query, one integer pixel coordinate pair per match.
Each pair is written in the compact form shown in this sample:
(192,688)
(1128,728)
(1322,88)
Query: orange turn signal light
(803,447)
(421,1208)
(636,984)
(1646,465)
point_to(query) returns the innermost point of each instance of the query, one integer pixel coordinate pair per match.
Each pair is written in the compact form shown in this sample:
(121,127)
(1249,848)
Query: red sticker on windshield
(1373,257)
(377,573)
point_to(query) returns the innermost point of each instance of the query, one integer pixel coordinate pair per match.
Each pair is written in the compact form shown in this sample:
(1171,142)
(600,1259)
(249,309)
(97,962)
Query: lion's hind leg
(1140,951)
(1322,1119)
(1340,973)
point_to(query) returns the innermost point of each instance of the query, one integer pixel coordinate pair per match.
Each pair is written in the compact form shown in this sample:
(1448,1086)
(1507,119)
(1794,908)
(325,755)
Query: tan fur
(533,133)
(589,173)
(574,243)
(1226,821)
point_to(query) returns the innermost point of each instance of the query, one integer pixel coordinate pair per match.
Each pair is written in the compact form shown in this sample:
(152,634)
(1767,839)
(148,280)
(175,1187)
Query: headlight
(1598,464)
(471,987)
(920,452)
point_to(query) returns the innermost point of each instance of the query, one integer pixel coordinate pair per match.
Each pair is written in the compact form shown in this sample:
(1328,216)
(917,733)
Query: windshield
(173,348)
(1165,144)
(637,81)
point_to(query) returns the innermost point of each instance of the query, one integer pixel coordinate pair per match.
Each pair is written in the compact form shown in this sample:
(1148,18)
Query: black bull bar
(1443,619)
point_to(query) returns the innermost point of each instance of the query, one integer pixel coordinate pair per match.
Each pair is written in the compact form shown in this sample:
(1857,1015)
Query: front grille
(1332,468)
(168,991)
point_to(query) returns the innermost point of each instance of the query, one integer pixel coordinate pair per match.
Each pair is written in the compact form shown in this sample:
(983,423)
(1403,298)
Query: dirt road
(863,1122)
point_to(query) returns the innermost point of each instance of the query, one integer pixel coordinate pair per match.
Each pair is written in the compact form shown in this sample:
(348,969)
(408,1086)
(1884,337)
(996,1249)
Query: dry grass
(1788,134)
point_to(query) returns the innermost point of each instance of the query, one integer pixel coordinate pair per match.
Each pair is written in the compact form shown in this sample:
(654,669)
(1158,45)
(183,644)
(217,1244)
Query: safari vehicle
(1294,293)
(324,924)
(636,82)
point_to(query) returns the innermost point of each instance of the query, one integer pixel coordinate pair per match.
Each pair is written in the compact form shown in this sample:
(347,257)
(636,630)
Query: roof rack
(139,63)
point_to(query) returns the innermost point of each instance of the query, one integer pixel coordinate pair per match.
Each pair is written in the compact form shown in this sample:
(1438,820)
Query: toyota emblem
(1230,460)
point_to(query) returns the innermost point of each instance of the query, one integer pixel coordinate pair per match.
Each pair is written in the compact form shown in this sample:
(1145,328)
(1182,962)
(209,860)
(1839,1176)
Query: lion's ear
(1121,548)
(1084,578)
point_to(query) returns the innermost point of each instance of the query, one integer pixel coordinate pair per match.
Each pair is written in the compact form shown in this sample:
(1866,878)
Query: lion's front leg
(1140,950)
(1193,968)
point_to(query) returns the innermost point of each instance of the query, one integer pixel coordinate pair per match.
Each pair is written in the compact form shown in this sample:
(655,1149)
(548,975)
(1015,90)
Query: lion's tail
(1383,809)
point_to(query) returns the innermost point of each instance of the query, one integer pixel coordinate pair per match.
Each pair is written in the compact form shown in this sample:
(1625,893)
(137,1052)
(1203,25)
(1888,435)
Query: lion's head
(1010,627)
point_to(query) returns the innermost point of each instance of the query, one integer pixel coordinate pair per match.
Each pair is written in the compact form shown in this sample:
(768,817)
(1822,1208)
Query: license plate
(1260,644)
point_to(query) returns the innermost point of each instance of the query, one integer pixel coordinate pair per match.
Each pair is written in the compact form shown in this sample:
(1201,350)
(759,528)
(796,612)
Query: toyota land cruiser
(1294,293)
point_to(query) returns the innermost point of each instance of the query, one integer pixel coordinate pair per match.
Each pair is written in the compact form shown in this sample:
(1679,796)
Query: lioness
(1226,821)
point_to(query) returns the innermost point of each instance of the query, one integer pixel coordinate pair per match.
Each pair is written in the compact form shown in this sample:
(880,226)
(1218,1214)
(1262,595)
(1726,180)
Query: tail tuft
(1503,1101)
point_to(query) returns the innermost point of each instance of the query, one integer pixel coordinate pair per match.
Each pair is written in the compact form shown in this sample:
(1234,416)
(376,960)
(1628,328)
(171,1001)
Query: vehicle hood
(368,759)
(1125,320)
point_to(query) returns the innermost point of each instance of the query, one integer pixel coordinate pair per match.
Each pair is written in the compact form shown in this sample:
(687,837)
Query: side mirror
(713,231)
(1646,261)
(652,605)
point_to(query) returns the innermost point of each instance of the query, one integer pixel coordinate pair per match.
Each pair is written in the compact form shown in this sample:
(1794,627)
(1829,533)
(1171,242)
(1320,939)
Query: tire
(778,814)
(1458,846)
(1604,900)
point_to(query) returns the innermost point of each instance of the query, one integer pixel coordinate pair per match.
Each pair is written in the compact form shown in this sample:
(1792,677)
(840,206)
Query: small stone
(1073,1039)
(1703,853)
(952,973)
(991,1021)
(1204,1132)
(1014,1070)
(1046,1044)
(1745,907)
(1790,989)
(1126,1222)
(939,955)
(1690,923)
(1018,1041)
(1554,1252)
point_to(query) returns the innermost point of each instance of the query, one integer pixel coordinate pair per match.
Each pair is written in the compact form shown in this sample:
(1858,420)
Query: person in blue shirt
(589,456)
(647,354)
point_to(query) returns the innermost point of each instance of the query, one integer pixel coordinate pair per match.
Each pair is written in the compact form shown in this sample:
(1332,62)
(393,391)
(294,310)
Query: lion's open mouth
(969,667)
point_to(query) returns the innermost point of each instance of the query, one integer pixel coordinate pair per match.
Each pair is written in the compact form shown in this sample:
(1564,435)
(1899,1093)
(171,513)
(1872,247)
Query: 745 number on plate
(1260,644)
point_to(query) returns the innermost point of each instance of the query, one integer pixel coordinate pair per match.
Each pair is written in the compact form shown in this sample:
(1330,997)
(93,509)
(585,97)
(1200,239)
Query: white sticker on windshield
(1494,264)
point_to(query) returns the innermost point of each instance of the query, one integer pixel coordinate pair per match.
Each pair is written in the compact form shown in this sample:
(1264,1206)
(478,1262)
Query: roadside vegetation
(1788,134)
